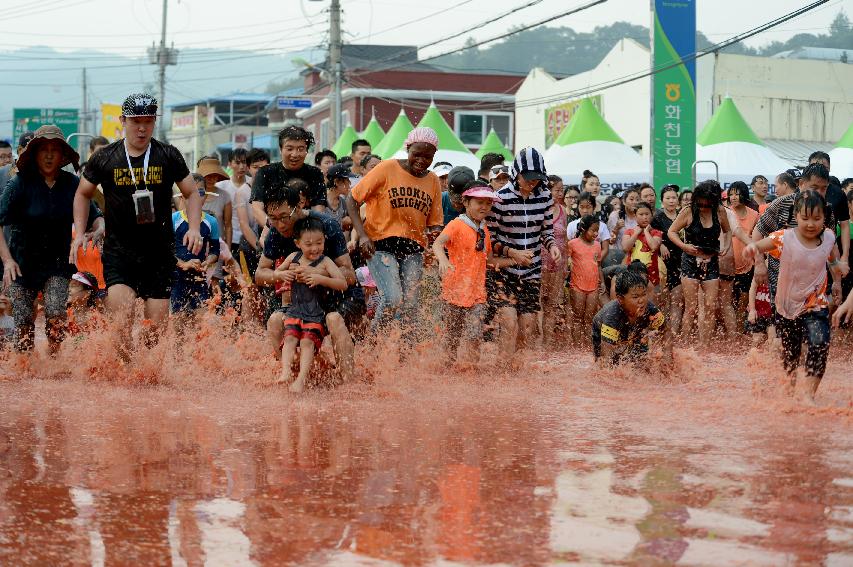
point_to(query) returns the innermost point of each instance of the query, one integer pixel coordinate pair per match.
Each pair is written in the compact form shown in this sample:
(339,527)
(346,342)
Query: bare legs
(306,358)
(552,304)
(120,304)
(584,306)
(710,291)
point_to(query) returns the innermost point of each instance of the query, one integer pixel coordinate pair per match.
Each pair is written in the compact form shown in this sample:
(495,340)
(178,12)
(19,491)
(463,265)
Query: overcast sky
(129,26)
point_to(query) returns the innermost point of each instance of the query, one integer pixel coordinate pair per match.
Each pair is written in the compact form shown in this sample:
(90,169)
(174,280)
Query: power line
(687,58)
(420,18)
(182,32)
(42,8)
(447,38)
(518,30)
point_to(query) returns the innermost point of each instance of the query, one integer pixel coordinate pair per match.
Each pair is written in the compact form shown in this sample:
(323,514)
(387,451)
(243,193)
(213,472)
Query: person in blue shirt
(190,289)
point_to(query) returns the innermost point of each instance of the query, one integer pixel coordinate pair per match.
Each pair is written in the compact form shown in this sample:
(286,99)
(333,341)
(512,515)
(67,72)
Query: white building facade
(794,105)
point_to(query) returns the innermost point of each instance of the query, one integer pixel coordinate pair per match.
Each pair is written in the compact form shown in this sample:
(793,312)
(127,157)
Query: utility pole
(335,68)
(162,56)
(83,120)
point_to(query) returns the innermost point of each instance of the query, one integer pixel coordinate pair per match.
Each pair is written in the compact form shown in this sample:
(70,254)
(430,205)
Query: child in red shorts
(304,322)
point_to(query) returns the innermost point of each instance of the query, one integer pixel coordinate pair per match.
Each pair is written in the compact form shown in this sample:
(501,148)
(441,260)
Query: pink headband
(79,277)
(424,135)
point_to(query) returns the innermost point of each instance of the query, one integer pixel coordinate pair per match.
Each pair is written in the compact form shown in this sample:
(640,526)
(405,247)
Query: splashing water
(187,456)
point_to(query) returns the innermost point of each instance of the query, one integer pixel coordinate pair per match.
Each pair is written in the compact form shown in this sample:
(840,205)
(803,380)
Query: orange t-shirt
(398,203)
(90,262)
(585,257)
(465,285)
(746,223)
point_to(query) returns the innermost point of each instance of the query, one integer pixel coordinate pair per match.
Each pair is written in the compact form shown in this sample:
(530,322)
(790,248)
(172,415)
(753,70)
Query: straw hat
(211,166)
(40,137)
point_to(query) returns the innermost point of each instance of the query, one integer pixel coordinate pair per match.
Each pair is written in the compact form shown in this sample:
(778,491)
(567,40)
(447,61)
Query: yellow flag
(110,124)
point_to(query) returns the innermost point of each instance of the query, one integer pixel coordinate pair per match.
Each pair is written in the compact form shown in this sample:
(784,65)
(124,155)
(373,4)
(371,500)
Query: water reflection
(149,477)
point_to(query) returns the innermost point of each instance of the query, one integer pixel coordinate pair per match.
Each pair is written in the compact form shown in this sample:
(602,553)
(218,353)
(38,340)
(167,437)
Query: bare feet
(297,386)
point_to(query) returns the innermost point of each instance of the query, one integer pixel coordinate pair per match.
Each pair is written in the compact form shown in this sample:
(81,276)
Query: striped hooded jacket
(523,223)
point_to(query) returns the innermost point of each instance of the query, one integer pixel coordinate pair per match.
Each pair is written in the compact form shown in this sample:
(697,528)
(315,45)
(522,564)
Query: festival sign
(557,117)
(673,92)
(185,119)
(111,128)
(31,119)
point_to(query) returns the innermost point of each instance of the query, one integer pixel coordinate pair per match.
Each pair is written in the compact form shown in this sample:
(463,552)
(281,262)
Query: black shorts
(742,283)
(673,273)
(149,278)
(512,291)
(349,308)
(692,269)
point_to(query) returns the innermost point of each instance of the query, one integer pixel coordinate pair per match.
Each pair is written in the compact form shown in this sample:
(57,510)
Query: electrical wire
(687,58)
(467,30)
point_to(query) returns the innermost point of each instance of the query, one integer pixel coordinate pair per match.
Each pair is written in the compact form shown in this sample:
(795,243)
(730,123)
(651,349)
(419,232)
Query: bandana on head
(80,277)
(422,135)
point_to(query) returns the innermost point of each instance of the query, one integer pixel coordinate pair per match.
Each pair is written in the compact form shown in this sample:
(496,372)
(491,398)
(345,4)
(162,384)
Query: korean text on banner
(673,91)
(557,117)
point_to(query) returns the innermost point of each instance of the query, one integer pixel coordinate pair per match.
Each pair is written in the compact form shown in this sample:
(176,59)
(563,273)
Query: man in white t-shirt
(237,183)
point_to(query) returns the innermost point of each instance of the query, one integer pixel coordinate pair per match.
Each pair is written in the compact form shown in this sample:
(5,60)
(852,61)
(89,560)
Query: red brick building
(382,79)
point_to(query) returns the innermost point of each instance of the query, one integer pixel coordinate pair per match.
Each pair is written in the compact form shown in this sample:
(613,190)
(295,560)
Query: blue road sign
(289,102)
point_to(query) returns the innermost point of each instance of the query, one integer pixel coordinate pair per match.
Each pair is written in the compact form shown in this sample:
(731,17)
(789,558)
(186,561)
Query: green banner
(30,119)
(673,92)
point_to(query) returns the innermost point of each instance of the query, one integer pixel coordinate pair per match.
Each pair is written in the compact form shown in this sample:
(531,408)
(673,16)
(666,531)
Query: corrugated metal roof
(236,97)
(796,152)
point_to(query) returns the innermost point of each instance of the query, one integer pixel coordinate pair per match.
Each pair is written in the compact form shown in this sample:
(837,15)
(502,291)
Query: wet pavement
(552,464)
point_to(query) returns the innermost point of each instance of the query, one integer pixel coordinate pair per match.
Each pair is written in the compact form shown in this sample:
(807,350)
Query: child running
(802,305)
(468,246)
(584,258)
(304,324)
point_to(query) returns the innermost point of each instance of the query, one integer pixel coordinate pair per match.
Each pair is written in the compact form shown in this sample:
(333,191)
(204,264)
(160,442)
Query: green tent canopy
(343,147)
(447,138)
(846,140)
(587,125)
(493,145)
(395,137)
(727,125)
(373,133)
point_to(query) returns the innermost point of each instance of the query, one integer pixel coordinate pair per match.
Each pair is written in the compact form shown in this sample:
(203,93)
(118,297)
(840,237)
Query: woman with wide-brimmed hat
(37,205)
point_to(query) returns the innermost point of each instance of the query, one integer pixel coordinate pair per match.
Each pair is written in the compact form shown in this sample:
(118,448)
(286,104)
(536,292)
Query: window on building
(470,129)
(345,121)
(473,127)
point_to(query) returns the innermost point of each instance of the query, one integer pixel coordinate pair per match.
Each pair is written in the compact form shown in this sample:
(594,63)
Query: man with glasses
(281,208)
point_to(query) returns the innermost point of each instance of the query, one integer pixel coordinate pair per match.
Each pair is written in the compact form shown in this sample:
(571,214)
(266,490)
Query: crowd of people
(351,248)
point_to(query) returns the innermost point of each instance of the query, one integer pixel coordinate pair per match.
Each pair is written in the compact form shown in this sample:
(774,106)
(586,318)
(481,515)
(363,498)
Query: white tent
(841,157)
(588,142)
(740,155)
